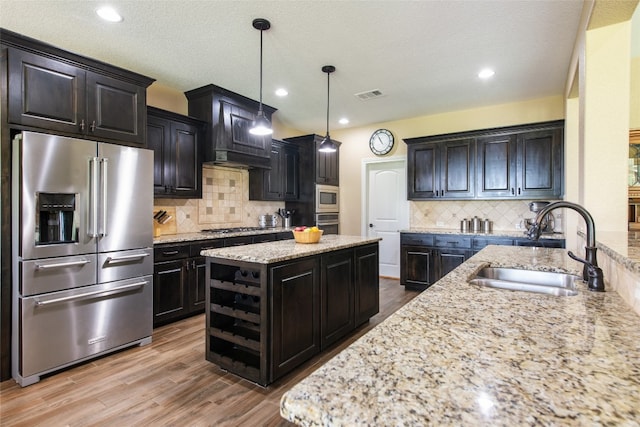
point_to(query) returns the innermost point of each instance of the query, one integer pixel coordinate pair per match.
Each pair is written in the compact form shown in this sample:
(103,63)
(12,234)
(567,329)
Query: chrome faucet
(591,273)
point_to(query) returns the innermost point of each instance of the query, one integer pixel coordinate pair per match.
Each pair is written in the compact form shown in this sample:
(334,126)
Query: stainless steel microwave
(327,198)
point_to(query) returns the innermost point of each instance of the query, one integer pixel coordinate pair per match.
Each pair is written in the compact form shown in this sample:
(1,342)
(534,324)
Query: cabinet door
(295,314)
(197,282)
(291,173)
(169,281)
(115,109)
(539,164)
(367,296)
(457,176)
(337,315)
(158,140)
(423,172)
(187,167)
(45,93)
(496,166)
(449,259)
(418,268)
(272,178)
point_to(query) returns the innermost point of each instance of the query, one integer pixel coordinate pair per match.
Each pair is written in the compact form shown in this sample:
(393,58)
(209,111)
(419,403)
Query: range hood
(229,115)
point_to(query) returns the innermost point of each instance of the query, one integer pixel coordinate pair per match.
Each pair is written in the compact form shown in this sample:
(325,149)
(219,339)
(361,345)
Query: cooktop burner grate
(231,230)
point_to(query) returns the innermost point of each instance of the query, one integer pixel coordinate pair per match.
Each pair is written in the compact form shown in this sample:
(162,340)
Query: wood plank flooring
(166,383)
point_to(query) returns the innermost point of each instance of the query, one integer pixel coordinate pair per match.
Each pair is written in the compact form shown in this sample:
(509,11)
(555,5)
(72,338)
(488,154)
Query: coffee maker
(548,222)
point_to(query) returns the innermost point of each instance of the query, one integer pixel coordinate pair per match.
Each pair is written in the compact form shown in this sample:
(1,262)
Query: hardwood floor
(166,383)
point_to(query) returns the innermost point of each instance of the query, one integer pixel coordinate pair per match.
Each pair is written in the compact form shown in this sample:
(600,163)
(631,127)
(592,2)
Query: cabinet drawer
(479,243)
(452,241)
(198,247)
(422,239)
(168,253)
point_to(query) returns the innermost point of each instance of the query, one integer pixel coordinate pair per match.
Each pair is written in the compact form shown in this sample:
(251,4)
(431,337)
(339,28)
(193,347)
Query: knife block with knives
(164,220)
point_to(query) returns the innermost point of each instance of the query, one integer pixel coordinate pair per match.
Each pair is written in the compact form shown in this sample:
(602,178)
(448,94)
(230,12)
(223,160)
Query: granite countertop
(270,252)
(192,237)
(462,355)
(495,233)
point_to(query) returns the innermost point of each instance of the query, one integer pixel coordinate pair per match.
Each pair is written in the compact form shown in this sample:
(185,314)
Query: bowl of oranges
(305,234)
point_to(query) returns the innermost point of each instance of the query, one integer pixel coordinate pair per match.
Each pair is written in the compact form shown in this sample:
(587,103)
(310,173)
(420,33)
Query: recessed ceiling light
(343,121)
(109,14)
(282,92)
(486,73)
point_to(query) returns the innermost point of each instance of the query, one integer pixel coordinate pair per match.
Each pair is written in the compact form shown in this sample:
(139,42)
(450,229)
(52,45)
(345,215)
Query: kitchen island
(463,355)
(272,306)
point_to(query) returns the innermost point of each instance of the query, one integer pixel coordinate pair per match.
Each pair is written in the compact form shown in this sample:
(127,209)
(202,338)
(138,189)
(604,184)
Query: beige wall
(634,117)
(355,142)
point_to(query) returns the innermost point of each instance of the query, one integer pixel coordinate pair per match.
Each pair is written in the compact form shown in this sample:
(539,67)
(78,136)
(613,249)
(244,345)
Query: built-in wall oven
(327,198)
(329,222)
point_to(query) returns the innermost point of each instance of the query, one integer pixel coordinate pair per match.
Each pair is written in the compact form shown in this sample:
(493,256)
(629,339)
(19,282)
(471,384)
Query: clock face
(381,142)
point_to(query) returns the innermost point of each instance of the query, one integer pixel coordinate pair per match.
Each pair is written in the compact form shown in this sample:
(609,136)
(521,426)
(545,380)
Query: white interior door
(387,211)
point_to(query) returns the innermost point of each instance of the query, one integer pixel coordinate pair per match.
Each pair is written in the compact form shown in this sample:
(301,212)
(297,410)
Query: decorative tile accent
(506,215)
(225,202)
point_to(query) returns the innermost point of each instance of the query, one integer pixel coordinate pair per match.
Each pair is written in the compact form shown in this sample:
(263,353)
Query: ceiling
(423,56)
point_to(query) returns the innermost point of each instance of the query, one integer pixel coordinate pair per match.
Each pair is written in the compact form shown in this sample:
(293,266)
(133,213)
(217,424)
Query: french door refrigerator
(82,216)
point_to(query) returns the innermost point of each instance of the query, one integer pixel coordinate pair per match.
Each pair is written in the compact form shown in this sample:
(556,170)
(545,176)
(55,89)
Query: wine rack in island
(237,319)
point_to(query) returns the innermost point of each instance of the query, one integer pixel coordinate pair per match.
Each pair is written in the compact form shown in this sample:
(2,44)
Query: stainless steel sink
(542,282)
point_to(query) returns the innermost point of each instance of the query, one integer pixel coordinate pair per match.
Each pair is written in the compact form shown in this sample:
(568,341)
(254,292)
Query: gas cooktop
(231,230)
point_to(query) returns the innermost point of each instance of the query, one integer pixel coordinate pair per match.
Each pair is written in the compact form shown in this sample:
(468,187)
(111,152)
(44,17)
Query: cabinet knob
(370,225)
(513,192)
(82,125)
(92,128)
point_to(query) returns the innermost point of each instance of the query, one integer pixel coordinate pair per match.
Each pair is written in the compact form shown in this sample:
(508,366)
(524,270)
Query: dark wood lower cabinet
(296,314)
(169,290)
(337,296)
(264,320)
(425,257)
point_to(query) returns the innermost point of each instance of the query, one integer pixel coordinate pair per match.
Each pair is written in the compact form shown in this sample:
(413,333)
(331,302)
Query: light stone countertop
(271,252)
(462,355)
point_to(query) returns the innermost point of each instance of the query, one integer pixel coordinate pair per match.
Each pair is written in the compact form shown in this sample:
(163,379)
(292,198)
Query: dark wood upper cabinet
(176,141)
(511,162)
(65,93)
(229,115)
(282,181)
(443,169)
(324,168)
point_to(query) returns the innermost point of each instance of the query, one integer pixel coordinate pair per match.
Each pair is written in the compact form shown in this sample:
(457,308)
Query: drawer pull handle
(169,253)
(118,290)
(125,258)
(62,264)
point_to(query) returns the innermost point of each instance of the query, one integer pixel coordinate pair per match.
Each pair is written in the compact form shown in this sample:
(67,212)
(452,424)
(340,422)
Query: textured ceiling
(423,55)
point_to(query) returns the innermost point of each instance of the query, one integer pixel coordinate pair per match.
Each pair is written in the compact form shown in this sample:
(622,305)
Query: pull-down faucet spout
(591,273)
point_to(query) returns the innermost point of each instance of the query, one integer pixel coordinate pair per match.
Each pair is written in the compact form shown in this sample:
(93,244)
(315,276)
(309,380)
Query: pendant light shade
(327,145)
(261,125)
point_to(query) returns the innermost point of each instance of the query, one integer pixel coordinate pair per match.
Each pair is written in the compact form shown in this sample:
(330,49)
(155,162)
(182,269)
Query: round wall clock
(381,142)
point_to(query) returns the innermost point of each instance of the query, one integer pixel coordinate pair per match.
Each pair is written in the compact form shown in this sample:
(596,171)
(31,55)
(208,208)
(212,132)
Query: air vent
(370,94)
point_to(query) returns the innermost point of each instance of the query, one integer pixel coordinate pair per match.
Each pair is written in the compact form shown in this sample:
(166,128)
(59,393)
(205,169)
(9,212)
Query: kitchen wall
(355,148)
(225,203)
(505,215)
(225,191)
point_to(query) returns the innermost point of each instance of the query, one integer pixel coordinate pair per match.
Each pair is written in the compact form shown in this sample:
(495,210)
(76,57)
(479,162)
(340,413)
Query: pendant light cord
(328,83)
(260,108)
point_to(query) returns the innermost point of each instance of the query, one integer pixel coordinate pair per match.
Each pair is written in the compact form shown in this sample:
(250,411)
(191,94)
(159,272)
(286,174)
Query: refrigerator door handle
(104,163)
(125,258)
(113,291)
(93,197)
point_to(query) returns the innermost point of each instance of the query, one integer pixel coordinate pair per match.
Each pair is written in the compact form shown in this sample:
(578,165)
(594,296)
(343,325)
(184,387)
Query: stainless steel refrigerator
(82,216)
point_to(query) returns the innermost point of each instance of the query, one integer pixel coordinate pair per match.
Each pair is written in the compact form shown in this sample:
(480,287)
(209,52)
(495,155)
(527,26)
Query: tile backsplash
(506,215)
(225,202)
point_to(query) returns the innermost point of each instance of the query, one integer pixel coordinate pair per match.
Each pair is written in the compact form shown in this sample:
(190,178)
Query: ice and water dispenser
(57,218)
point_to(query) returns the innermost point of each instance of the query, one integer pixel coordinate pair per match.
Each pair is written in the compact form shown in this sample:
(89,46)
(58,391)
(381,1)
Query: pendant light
(327,145)
(261,125)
